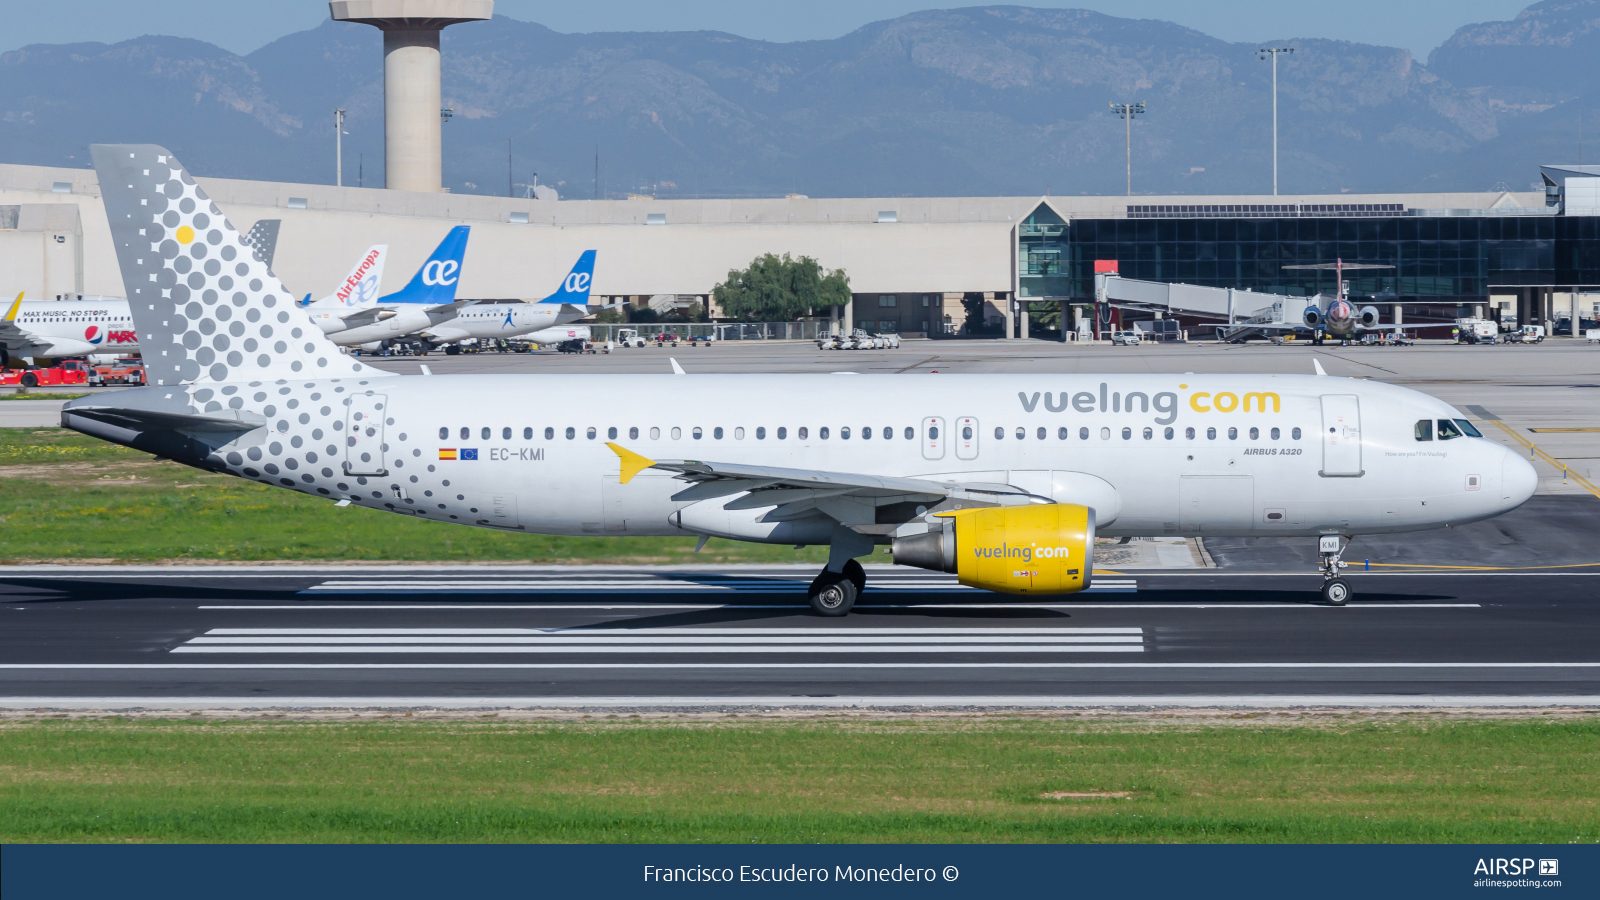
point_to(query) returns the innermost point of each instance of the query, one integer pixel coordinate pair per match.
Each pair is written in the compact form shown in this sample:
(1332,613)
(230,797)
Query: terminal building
(933,265)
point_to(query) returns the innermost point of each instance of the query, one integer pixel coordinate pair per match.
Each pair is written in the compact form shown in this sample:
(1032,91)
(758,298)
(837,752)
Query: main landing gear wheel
(857,575)
(1336,592)
(833,593)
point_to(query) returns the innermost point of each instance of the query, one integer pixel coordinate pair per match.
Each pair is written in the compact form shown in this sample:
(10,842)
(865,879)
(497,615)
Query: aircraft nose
(1518,480)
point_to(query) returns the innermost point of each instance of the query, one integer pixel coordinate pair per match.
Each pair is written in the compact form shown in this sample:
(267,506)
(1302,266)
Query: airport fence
(746,331)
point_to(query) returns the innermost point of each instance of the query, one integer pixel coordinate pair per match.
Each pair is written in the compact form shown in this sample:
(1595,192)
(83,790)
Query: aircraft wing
(18,341)
(367,315)
(850,498)
(445,334)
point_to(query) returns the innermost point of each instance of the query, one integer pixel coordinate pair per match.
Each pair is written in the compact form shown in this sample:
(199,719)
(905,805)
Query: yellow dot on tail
(185,234)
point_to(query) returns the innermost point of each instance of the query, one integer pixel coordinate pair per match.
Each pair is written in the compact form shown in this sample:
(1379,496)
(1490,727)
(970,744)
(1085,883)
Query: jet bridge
(1239,310)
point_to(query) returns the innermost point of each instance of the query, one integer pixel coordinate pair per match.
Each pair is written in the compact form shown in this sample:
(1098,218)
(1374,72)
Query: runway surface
(612,637)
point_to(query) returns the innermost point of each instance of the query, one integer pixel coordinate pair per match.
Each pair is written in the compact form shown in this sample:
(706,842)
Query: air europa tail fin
(360,287)
(575,287)
(436,281)
(204,303)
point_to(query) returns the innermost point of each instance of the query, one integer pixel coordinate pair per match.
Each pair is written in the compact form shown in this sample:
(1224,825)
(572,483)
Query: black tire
(1336,592)
(30,380)
(832,594)
(857,575)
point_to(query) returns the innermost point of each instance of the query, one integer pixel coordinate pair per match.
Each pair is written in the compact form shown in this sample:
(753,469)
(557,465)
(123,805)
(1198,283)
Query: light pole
(1127,111)
(338,147)
(1272,53)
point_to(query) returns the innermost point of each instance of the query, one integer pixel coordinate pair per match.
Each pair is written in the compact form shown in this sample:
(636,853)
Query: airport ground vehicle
(68,371)
(1125,338)
(1527,334)
(575,345)
(124,370)
(628,337)
(1002,480)
(1477,331)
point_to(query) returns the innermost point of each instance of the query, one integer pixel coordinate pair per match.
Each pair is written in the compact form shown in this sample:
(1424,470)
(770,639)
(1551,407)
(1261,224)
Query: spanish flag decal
(447,453)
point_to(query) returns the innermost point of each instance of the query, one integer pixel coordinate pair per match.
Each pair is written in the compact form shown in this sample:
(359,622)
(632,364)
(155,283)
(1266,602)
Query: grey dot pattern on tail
(205,301)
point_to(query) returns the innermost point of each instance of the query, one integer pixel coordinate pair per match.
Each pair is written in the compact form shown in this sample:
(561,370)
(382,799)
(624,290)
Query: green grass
(827,780)
(65,496)
(20,395)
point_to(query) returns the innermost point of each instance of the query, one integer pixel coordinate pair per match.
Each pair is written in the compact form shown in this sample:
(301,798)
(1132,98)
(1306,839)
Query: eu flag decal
(469,453)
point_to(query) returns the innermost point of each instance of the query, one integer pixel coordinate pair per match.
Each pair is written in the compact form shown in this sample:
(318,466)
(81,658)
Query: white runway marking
(665,641)
(601,607)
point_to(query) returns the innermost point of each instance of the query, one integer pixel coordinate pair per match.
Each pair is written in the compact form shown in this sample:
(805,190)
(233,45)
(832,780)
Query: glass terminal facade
(1437,259)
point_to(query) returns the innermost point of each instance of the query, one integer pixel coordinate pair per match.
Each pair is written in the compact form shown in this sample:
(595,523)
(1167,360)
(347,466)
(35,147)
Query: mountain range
(1001,100)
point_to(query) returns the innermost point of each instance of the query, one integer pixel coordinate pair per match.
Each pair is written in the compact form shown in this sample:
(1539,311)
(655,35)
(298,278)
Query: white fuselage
(1154,454)
(485,320)
(62,328)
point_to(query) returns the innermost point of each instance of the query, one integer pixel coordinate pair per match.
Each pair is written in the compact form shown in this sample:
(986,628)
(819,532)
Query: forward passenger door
(1341,436)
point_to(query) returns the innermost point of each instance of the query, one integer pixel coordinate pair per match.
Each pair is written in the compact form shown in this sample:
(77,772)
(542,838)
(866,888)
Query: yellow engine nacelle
(1043,549)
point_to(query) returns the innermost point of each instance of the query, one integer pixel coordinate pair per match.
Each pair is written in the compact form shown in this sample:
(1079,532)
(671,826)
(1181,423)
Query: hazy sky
(244,25)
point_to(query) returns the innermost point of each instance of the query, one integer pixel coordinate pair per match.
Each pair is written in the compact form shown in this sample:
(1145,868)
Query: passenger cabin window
(696,432)
(444,434)
(1061,433)
(1211,434)
(800,433)
(571,432)
(717,432)
(1233,434)
(677,433)
(761,433)
(738,434)
(1424,429)
(1169,433)
(633,433)
(611,433)
(783,434)
(485,433)
(1255,433)
(933,432)
(655,433)
(844,433)
(1295,434)
(866,433)
(466,434)
(1042,433)
(999,433)
(1105,434)
(1083,434)
(1275,433)
(910,434)
(1448,430)
(549,434)
(822,433)
(1127,434)
(590,433)
(505,434)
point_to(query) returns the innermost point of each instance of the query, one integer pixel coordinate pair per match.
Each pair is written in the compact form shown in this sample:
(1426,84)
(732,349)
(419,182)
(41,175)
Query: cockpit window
(1424,429)
(1448,430)
(1468,429)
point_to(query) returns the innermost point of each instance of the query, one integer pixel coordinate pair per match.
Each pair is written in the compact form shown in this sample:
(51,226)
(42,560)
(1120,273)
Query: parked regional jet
(1004,480)
(357,296)
(491,320)
(92,326)
(427,299)
(1335,316)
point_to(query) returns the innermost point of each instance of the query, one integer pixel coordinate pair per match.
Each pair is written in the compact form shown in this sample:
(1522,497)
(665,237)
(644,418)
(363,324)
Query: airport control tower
(411,152)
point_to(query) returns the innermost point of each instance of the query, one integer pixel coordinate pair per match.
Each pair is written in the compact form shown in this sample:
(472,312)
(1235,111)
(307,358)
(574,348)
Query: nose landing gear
(1335,590)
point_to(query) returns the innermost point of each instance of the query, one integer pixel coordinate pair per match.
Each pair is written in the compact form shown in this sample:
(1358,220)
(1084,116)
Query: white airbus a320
(1004,480)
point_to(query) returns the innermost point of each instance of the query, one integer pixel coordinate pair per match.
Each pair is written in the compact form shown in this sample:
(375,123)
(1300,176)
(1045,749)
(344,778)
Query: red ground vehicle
(126,370)
(71,371)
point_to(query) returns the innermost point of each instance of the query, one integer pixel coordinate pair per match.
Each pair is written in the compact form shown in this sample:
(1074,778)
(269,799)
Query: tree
(781,290)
